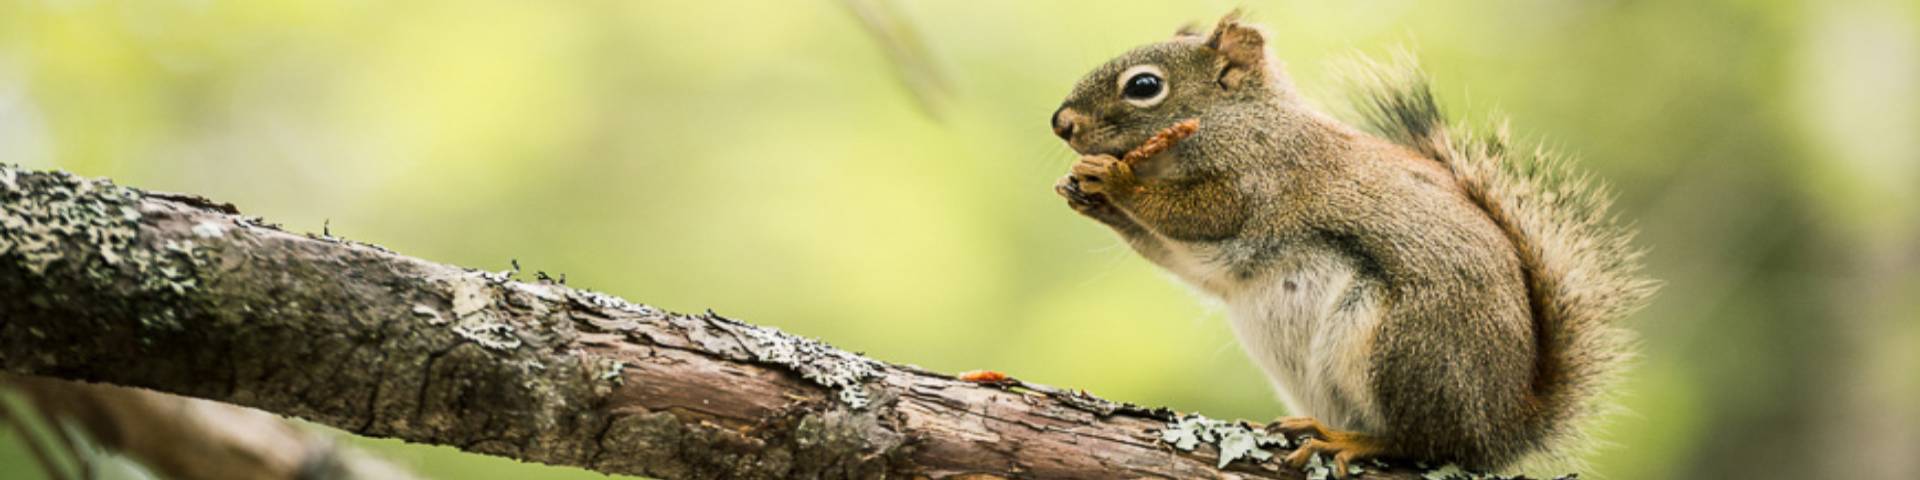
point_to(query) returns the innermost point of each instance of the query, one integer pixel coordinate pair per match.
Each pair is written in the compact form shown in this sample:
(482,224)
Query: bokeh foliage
(767,160)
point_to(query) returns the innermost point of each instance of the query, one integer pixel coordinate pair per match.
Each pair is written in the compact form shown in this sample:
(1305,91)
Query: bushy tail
(1582,273)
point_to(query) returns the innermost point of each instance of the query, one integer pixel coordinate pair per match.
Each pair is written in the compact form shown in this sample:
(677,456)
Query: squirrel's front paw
(1086,203)
(1101,175)
(1089,186)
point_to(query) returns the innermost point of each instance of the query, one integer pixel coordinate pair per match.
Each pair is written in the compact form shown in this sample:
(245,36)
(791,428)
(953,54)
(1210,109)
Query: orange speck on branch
(983,376)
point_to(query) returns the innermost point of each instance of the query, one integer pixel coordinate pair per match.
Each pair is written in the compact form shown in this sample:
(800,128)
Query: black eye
(1142,86)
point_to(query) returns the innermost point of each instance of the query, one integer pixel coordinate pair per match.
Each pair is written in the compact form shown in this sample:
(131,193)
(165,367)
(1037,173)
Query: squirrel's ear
(1243,51)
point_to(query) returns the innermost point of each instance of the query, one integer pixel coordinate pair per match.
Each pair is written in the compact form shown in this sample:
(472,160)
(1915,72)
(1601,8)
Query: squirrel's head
(1122,103)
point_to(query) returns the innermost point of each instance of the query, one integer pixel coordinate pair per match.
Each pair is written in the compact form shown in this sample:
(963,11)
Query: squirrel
(1413,291)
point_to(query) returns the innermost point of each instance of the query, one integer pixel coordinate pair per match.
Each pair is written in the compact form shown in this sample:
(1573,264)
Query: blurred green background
(772,161)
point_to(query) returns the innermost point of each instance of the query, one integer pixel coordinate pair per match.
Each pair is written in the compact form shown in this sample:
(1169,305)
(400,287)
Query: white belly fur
(1314,352)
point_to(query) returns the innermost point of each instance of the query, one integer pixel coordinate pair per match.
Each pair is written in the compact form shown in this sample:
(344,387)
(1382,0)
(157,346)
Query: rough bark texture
(175,293)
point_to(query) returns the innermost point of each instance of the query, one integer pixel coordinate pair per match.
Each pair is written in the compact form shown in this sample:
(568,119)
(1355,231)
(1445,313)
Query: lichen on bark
(41,213)
(818,362)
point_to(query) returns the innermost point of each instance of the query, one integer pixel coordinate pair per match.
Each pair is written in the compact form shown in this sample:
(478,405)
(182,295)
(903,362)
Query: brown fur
(1488,283)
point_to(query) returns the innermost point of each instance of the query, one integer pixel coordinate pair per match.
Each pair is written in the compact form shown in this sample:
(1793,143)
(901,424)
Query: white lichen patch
(497,336)
(432,316)
(818,362)
(58,220)
(471,296)
(608,302)
(1318,468)
(612,373)
(1454,472)
(544,292)
(208,229)
(40,213)
(1448,472)
(1234,440)
(1240,440)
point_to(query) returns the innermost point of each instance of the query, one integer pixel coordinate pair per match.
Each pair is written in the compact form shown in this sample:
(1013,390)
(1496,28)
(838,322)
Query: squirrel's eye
(1143,85)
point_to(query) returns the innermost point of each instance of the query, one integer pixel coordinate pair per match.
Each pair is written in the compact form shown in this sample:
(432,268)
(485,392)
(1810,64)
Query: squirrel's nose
(1063,123)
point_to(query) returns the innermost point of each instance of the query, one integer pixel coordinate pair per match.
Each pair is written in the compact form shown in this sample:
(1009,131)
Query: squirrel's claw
(1069,188)
(1092,205)
(1296,427)
(1344,447)
(1100,174)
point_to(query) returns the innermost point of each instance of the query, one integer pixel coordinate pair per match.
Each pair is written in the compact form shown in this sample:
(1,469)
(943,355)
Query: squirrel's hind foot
(1344,448)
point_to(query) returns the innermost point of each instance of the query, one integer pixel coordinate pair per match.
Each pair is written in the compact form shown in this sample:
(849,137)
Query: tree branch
(179,294)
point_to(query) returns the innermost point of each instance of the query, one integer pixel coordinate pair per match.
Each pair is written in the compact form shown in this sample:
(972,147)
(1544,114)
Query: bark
(179,294)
